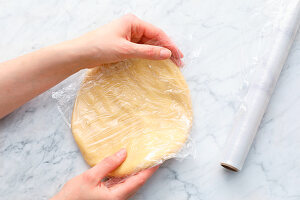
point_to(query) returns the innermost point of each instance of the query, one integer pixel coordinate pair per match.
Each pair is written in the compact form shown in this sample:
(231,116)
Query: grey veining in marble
(222,42)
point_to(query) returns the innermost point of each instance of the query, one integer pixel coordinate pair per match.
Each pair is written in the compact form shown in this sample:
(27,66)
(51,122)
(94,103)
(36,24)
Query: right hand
(89,186)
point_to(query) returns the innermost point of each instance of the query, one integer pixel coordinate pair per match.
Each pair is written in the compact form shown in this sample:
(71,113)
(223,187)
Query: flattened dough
(141,105)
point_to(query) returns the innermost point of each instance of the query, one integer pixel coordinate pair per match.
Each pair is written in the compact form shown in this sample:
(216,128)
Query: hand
(89,185)
(127,37)
(34,73)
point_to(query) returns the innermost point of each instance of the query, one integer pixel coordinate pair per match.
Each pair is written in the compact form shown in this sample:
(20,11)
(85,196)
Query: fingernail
(181,54)
(121,153)
(165,53)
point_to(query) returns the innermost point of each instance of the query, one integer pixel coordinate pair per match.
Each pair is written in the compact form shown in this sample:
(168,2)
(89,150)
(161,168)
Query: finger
(161,39)
(133,183)
(151,32)
(107,165)
(146,33)
(149,52)
(180,53)
(177,61)
(176,53)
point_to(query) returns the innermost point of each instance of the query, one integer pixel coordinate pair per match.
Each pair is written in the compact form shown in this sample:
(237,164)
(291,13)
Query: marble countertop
(222,42)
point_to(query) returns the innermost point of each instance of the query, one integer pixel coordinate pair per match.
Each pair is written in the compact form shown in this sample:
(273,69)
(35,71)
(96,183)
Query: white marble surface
(222,42)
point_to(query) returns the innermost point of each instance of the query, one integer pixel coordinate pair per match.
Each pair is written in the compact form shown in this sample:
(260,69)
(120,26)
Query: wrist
(81,52)
(69,55)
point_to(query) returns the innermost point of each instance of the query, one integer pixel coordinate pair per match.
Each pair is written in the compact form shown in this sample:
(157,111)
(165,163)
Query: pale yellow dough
(141,105)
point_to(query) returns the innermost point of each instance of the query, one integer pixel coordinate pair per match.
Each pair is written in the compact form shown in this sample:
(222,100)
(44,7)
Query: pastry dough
(141,105)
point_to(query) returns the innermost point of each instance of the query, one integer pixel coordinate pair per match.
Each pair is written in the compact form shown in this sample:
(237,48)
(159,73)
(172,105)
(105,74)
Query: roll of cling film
(260,89)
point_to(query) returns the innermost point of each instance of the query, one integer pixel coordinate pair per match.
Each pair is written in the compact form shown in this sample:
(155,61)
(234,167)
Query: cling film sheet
(141,105)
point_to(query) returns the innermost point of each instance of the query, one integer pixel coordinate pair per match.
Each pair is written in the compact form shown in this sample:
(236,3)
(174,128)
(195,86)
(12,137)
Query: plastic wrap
(261,86)
(259,62)
(141,105)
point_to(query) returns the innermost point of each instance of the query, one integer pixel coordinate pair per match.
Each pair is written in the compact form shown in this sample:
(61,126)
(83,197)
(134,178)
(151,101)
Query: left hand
(126,37)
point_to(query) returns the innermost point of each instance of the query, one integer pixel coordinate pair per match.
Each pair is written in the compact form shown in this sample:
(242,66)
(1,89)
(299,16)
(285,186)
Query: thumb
(149,52)
(106,166)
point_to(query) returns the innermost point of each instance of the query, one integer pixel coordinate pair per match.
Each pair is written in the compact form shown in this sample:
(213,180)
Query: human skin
(25,77)
(88,185)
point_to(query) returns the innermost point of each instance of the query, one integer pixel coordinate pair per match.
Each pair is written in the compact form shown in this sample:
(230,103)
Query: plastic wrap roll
(259,93)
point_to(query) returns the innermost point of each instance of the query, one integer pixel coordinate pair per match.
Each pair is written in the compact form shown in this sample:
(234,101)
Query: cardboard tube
(259,93)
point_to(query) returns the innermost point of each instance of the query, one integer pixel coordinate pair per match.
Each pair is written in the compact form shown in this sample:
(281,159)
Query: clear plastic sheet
(254,65)
(141,105)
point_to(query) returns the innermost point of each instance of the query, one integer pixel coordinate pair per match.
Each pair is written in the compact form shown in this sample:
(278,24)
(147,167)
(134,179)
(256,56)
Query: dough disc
(141,105)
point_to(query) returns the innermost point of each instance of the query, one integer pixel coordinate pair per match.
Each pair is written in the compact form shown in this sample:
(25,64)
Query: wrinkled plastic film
(141,105)
(66,95)
(260,89)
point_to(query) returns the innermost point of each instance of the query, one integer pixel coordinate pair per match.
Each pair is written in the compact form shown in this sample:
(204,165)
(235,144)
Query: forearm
(25,77)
